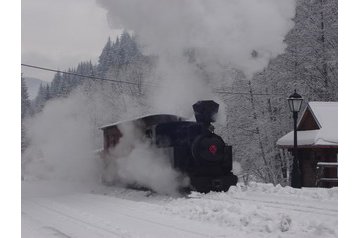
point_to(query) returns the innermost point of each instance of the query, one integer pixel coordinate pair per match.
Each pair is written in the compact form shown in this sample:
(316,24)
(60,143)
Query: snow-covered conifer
(105,59)
(25,101)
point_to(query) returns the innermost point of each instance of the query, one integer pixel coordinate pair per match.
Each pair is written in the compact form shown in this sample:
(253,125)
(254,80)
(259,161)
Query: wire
(148,84)
(262,94)
(80,75)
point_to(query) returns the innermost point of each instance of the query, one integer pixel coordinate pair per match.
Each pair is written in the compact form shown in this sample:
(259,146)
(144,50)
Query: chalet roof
(148,120)
(325,116)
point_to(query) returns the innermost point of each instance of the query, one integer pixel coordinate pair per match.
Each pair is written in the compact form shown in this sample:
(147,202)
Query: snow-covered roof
(168,117)
(326,117)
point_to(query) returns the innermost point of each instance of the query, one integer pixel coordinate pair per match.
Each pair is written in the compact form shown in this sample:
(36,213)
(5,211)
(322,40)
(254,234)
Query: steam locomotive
(195,150)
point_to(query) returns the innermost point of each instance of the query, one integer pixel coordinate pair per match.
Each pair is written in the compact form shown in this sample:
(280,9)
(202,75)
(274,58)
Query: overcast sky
(61,33)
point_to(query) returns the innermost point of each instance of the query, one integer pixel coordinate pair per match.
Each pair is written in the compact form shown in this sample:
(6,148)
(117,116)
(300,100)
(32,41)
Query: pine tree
(25,101)
(42,96)
(25,112)
(116,53)
(47,94)
(65,86)
(56,85)
(105,59)
(128,49)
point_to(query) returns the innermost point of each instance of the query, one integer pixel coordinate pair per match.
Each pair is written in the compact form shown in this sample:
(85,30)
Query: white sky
(60,33)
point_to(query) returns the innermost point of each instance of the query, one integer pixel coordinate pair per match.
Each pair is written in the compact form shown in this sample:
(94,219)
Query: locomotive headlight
(213,149)
(208,148)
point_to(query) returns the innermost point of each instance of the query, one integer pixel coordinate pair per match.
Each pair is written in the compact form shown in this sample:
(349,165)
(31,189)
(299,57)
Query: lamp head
(295,102)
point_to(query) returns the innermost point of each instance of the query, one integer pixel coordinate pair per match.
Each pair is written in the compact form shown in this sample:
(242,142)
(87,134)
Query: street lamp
(295,102)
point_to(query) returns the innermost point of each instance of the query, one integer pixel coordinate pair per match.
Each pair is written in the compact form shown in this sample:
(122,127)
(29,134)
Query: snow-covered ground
(258,210)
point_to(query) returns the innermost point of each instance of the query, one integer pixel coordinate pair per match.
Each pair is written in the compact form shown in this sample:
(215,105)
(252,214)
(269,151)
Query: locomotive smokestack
(205,111)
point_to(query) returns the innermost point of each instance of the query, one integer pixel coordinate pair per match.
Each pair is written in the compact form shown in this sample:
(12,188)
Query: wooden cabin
(317,143)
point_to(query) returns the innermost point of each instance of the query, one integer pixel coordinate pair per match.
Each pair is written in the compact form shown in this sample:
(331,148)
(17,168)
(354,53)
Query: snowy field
(259,210)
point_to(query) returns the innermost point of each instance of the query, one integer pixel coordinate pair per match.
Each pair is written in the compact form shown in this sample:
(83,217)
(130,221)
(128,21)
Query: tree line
(120,53)
(310,65)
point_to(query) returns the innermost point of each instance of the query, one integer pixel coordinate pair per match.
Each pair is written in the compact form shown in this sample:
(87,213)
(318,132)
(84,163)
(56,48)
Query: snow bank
(264,209)
(256,210)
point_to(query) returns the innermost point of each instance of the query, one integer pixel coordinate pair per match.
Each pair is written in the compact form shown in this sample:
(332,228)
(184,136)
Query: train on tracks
(194,148)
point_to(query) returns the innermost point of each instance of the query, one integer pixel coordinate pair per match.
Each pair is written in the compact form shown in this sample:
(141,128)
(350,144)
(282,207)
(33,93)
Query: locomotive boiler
(195,150)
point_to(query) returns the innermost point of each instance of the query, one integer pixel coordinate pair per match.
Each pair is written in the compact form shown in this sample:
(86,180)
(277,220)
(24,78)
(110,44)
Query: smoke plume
(221,35)
(61,144)
(140,164)
(64,138)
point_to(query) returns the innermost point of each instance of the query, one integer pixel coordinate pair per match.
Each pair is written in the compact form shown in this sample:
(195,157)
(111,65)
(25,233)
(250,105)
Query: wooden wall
(309,158)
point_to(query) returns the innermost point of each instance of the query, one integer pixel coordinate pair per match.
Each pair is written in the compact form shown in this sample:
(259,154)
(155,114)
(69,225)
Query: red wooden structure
(317,141)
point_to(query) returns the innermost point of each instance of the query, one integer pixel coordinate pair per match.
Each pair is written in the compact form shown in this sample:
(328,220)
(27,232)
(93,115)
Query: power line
(148,84)
(79,75)
(242,93)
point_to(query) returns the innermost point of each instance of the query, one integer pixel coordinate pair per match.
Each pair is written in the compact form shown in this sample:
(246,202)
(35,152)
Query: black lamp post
(295,102)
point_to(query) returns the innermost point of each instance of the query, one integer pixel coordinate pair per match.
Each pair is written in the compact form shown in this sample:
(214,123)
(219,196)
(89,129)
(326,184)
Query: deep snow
(258,210)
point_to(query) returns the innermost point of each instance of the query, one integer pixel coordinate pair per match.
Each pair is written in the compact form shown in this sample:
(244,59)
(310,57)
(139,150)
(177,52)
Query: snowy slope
(259,210)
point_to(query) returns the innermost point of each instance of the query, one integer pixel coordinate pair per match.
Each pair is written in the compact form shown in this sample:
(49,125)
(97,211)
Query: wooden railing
(321,166)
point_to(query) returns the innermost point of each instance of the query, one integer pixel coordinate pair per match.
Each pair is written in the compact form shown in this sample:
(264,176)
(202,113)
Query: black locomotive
(195,149)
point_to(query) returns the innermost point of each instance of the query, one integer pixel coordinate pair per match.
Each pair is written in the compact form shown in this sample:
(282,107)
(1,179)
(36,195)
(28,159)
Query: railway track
(107,217)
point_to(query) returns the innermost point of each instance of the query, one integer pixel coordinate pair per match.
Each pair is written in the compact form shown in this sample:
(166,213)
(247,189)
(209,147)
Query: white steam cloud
(65,136)
(140,164)
(225,34)
(61,142)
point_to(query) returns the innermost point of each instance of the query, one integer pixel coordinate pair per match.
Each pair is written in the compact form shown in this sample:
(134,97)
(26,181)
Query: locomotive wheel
(218,184)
